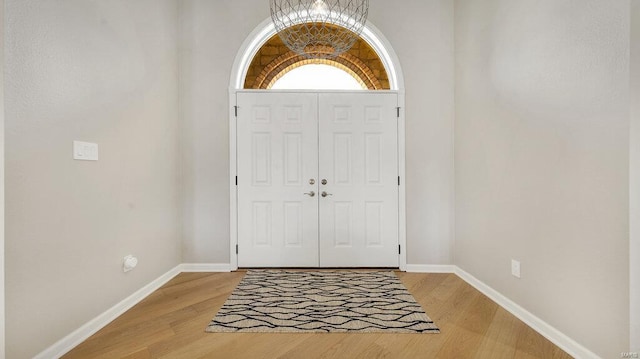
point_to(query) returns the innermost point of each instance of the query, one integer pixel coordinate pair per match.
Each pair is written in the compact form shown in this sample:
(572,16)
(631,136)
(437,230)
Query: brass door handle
(310,194)
(324,194)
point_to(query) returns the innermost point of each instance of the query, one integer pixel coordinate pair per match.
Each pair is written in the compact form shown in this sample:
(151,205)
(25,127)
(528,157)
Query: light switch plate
(85,151)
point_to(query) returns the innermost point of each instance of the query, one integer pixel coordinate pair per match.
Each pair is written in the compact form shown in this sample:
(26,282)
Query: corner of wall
(2,319)
(180,133)
(634,180)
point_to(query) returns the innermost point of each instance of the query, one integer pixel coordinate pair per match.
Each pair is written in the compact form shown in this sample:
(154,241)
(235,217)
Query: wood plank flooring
(170,323)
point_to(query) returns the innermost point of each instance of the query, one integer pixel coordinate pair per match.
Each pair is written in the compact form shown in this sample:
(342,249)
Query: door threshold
(320,268)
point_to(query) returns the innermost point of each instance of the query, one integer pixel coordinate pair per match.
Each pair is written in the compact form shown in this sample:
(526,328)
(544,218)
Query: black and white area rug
(289,301)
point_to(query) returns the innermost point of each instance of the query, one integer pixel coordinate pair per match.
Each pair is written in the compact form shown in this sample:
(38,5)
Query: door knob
(310,194)
(324,194)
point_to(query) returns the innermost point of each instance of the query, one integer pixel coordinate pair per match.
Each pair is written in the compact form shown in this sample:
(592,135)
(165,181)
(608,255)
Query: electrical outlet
(515,268)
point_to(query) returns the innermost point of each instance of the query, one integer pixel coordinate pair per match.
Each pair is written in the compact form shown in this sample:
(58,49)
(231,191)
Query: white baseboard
(430,268)
(552,334)
(69,342)
(72,340)
(205,267)
(81,334)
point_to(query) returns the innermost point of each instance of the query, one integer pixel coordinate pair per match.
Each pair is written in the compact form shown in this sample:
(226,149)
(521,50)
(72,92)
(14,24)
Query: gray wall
(634,216)
(542,151)
(2,311)
(211,35)
(98,71)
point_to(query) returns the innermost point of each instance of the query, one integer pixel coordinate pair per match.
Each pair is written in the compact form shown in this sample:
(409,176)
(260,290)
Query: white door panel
(277,156)
(358,158)
(286,139)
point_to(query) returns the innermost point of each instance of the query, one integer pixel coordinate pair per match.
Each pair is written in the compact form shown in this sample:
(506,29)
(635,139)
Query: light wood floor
(170,323)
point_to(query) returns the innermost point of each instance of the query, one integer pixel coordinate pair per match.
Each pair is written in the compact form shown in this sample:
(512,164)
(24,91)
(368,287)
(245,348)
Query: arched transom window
(275,66)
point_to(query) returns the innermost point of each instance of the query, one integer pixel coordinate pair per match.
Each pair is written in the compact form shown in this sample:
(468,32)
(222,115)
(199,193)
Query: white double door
(317,179)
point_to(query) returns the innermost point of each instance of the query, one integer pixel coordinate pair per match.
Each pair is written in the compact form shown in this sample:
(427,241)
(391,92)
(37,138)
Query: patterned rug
(321,301)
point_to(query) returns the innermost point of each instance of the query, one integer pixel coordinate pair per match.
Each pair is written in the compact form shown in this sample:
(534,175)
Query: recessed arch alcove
(375,64)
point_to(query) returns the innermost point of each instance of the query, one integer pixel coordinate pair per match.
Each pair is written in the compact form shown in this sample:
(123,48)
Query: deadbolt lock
(324,182)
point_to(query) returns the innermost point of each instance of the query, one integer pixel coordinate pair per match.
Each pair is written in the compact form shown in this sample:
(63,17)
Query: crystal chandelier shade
(319,28)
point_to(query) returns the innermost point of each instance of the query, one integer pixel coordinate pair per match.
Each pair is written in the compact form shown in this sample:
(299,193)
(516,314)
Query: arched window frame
(266,30)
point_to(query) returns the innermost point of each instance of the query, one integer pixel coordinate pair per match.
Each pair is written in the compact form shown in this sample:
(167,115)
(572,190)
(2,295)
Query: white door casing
(277,145)
(358,157)
(252,43)
(279,159)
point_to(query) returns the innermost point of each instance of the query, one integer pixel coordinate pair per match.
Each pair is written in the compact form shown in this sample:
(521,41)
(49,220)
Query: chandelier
(319,29)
